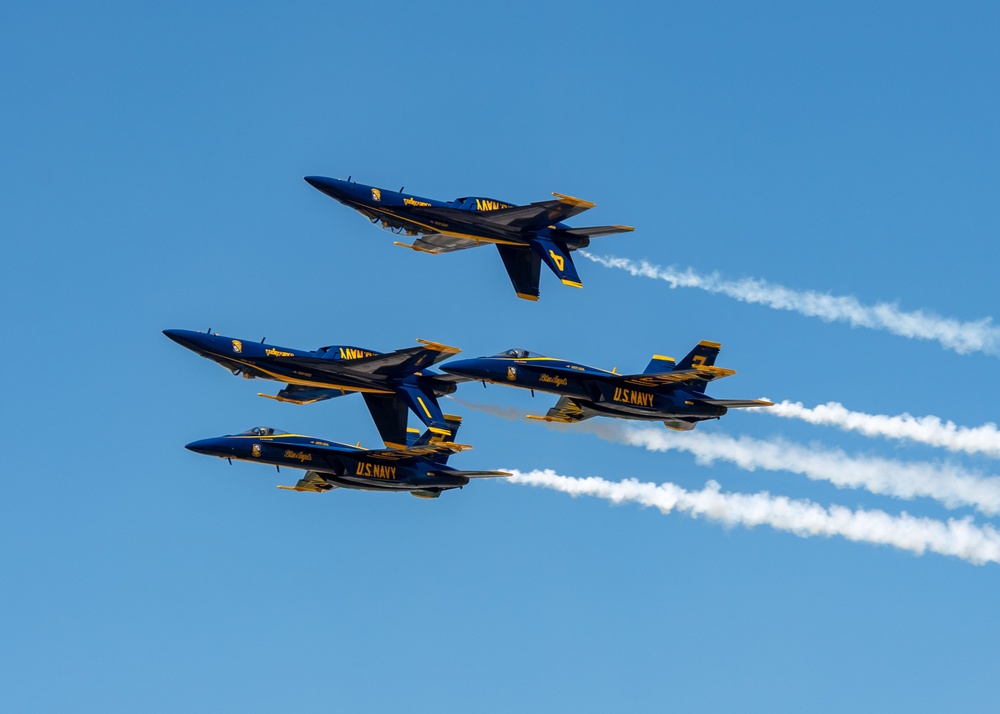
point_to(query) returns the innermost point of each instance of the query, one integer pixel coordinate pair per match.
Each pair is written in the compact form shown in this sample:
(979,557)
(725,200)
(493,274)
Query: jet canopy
(262,431)
(518,353)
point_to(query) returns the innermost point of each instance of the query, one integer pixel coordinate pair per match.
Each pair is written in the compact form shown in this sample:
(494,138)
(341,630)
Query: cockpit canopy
(518,353)
(262,431)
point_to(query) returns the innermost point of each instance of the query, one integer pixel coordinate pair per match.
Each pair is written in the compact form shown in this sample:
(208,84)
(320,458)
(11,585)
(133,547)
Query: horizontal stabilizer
(596,231)
(681,376)
(471,474)
(736,403)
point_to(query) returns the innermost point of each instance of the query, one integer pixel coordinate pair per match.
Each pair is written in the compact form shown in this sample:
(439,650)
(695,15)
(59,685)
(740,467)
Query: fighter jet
(390,382)
(524,235)
(420,469)
(668,392)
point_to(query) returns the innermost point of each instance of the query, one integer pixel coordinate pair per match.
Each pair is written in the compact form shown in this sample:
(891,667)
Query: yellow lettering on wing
(350,353)
(370,470)
(414,202)
(632,396)
(558,260)
(277,353)
(483,204)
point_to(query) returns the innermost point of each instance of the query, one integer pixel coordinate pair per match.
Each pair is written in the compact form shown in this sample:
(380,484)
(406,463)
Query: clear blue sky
(151,178)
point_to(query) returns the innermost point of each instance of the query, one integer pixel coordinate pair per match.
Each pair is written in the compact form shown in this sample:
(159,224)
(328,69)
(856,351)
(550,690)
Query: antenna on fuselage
(208,331)
(401,189)
(348,178)
(262,339)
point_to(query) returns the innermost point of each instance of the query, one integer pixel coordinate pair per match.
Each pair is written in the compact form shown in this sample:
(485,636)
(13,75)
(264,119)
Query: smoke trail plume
(949,484)
(959,538)
(962,337)
(929,430)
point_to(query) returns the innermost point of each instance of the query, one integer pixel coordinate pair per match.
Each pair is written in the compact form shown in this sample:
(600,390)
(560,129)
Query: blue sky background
(151,175)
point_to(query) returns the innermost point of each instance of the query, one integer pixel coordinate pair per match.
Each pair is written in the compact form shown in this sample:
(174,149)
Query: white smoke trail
(929,430)
(949,484)
(962,337)
(960,538)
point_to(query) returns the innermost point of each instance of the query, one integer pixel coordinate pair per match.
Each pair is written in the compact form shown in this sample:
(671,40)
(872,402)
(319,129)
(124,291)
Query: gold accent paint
(438,347)
(572,201)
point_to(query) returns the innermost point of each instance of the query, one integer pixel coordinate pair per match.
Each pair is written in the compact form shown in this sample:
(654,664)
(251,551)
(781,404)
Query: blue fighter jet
(390,382)
(526,236)
(420,469)
(667,392)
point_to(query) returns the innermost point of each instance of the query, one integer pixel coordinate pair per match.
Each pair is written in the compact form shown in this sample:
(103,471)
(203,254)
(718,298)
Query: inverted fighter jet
(420,469)
(667,392)
(526,236)
(390,382)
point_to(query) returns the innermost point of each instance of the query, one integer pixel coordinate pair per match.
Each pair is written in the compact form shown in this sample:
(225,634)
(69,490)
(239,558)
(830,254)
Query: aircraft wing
(398,363)
(534,215)
(566,411)
(680,376)
(542,213)
(435,243)
(298,394)
(436,448)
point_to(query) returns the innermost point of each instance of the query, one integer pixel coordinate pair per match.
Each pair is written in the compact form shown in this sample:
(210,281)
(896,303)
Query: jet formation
(525,236)
(395,383)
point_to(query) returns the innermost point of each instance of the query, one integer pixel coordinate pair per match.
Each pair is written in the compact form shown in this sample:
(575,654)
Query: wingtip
(439,347)
(573,200)
(528,296)
(414,247)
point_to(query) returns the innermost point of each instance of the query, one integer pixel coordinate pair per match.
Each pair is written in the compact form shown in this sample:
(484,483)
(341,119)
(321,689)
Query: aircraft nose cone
(181,337)
(205,446)
(331,187)
(462,367)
